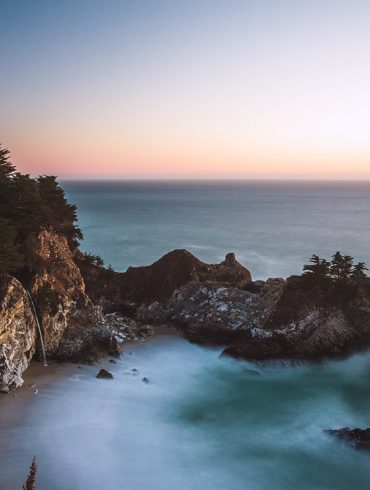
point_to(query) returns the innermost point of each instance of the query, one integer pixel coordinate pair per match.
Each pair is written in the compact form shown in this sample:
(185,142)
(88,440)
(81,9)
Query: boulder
(357,438)
(104,374)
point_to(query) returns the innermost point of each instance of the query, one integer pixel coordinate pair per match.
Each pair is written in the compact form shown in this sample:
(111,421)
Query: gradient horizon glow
(187,89)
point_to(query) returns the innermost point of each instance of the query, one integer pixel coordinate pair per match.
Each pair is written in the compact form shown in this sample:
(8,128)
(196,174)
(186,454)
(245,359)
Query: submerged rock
(104,374)
(357,438)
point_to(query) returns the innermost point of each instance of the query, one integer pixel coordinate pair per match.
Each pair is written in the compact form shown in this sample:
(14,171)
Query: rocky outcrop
(206,312)
(294,319)
(74,329)
(156,282)
(18,332)
(357,438)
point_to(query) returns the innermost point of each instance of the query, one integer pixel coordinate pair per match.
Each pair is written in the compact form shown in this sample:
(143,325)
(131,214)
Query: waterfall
(39,328)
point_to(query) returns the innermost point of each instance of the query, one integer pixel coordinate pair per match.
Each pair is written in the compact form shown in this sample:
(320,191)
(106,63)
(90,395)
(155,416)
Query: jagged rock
(357,438)
(159,280)
(205,312)
(104,374)
(74,329)
(18,332)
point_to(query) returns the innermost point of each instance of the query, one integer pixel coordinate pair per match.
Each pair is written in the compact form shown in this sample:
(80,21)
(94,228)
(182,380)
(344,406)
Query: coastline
(14,406)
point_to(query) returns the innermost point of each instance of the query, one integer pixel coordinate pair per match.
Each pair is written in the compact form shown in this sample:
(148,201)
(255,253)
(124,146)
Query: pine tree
(358,271)
(61,215)
(341,267)
(31,479)
(317,267)
(10,256)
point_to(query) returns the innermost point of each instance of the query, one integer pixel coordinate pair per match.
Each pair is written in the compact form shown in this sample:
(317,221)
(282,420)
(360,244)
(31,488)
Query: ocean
(273,227)
(203,422)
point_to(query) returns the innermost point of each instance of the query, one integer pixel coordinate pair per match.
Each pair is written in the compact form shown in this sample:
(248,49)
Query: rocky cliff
(156,282)
(73,327)
(295,318)
(18,332)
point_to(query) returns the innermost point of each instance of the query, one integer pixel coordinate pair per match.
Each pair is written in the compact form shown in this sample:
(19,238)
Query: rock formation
(17,332)
(276,319)
(357,438)
(156,282)
(73,328)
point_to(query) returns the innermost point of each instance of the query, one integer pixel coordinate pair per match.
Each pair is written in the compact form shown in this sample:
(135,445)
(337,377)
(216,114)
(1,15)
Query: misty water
(203,421)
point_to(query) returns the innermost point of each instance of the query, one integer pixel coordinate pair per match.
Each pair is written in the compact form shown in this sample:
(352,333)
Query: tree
(10,257)
(317,267)
(31,479)
(61,215)
(358,271)
(7,169)
(341,267)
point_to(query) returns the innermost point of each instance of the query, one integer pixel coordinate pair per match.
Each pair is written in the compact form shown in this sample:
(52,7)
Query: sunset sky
(196,88)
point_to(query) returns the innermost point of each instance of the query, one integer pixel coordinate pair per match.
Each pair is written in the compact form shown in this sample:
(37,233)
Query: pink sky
(177,89)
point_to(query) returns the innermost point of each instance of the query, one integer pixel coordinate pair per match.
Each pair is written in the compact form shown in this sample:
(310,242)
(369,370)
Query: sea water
(203,422)
(273,227)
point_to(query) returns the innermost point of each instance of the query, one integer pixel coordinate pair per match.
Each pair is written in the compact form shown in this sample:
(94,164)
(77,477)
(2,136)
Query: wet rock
(357,438)
(104,374)
(112,361)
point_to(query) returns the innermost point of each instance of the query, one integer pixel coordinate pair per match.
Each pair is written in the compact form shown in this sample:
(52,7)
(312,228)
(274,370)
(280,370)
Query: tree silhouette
(319,268)
(358,271)
(341,267)
(31,479)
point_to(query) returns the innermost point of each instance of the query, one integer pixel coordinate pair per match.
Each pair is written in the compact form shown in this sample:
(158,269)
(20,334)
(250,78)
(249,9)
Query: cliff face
(156,282)
(276,319)
(74,329)
(18,332)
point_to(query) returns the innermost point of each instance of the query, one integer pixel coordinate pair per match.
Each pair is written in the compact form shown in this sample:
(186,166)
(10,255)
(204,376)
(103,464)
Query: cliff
(157,282)
(73,328)
(298,318)
(17,332)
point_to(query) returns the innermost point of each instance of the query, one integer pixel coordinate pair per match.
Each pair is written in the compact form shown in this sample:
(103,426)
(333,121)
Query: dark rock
(156,282)
(145,380)
(357,438)
(115,354)
(104,374)
(112,361)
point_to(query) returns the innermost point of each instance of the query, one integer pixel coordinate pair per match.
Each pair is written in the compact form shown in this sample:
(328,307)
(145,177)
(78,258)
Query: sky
(260,89)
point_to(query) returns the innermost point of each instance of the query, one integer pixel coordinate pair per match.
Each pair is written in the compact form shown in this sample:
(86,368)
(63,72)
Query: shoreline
(13,406)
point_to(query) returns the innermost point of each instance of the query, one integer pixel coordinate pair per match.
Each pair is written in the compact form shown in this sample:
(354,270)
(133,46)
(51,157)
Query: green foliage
(10,257)
(31,479)
(27,206)
(340,270)
(318,267)
(90,259)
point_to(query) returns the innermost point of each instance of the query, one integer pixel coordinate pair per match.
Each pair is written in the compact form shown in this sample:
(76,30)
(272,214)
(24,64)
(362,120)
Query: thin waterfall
(39,328)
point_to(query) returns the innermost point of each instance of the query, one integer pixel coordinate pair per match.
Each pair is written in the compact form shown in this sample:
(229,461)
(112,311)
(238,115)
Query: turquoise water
(273,227)
(202,423)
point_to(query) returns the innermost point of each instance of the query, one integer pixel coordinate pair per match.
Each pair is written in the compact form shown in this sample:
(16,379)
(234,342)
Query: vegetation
(340,270)
(27,206)
(31,479)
